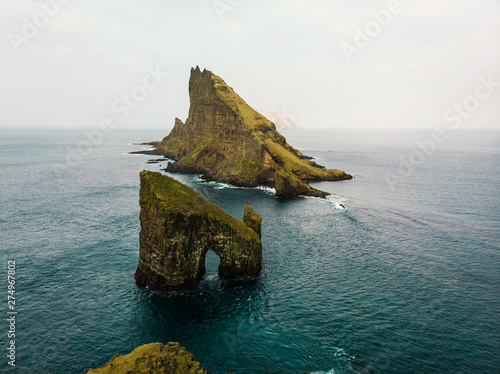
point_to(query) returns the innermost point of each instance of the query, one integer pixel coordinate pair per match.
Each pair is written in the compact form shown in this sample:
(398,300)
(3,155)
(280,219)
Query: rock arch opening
(211,263)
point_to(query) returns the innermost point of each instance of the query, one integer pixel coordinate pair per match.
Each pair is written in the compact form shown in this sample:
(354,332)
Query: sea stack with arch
(179,226)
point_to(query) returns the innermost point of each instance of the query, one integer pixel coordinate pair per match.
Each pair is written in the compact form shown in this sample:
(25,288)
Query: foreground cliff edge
(152,358)
(226,140)
(179,226)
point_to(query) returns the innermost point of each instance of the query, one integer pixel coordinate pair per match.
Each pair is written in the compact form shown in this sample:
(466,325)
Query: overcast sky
(67,66)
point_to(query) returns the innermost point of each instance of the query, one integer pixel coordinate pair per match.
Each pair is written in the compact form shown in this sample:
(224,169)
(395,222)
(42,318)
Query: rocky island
(226,140)
(179,226)
(153,358)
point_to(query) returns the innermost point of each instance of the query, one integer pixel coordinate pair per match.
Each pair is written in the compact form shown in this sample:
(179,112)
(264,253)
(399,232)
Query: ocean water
(398,271)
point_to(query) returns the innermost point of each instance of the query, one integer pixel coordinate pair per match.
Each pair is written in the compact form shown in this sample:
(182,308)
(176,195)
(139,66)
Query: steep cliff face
(179,226)
(153,358)
(226,140)
(252,220)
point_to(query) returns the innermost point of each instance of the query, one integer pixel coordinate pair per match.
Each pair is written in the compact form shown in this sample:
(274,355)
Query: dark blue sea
(398,271)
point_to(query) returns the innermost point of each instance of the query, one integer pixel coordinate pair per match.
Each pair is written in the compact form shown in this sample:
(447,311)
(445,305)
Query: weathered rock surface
(252,220)
(226,140)
(179,226)
(153,358)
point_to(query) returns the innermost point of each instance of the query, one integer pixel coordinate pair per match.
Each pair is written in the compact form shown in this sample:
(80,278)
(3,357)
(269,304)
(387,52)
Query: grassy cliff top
(176,197)
(265,132)
(153,358)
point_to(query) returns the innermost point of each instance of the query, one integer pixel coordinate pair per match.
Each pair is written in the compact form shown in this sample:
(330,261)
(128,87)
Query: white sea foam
(269,190)
(337,201)
(221,186)
(338,353)
(215,185)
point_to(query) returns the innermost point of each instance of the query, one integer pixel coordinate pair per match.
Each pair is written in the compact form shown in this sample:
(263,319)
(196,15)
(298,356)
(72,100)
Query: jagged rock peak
(225,139)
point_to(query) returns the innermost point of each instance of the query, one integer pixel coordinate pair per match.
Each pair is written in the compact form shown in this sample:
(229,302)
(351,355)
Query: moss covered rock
(153,358)
(226,140)
(252,220)
(179,226)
